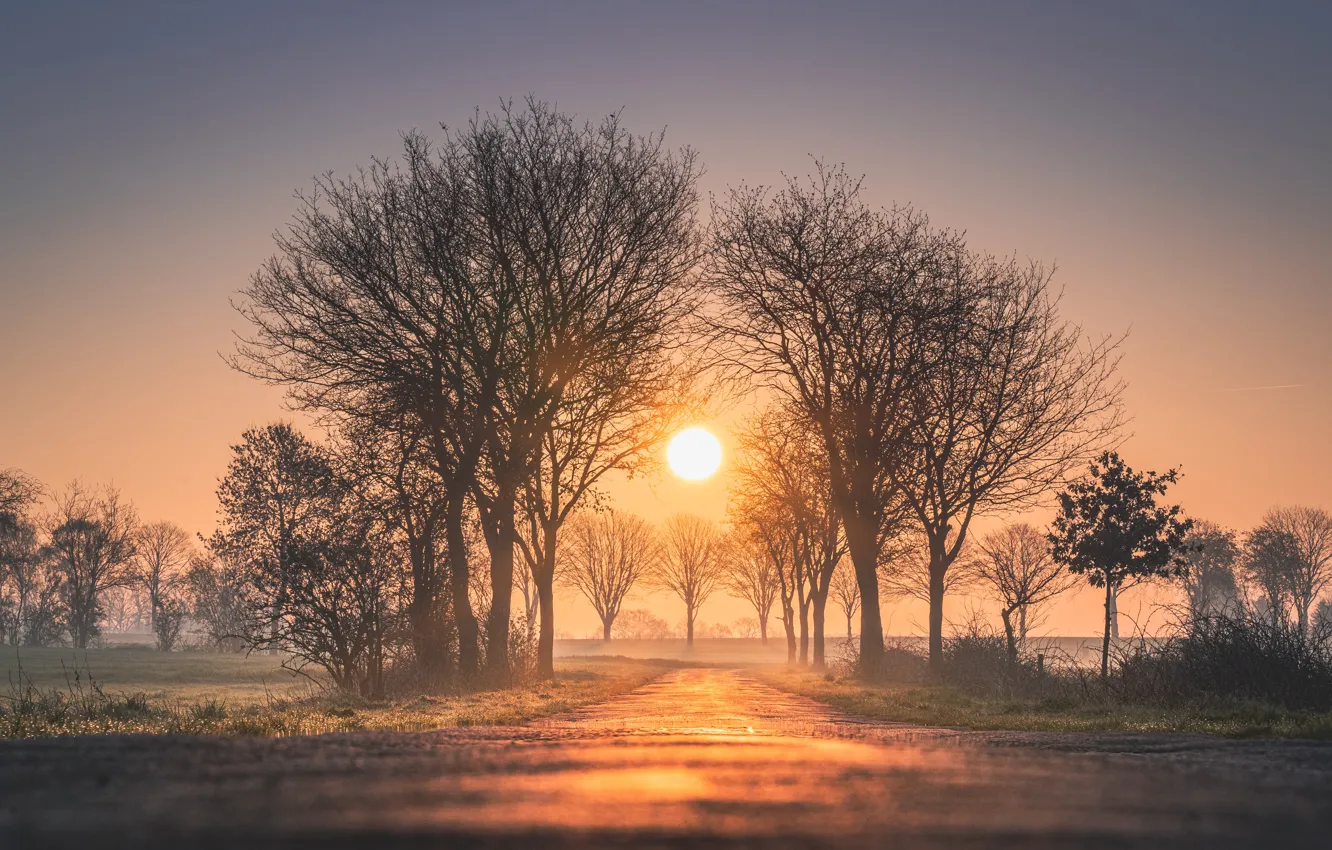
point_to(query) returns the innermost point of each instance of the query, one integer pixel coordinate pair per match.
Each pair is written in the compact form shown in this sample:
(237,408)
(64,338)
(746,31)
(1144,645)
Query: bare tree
(692,564)
(826,301)
(765,509)
(638,624)
(215,588)
(1016,567)
(607,554)
(904,572)
(1271,556)
(846,593)
(380,305)
(1309,573)
(751,575)
(389,467)
(19,491)
(92,538)
(1210,584)
(1016,402)
(29,584)
(591,233)
(784,464)
(163,553)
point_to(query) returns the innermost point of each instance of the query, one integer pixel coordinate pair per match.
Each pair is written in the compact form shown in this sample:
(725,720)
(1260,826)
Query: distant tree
(163,554)
(1310,572)
(746,627)
(1322,618)
(1111,530)
(1271,557)
(18,493)
(92,540)
(274,497)
(122,608)
(691,564)
(1210,584)
(846,593)
(215,591)
(638,624)
(30,604)
(605,555)
(783,475)
(752,576)
(1016,567)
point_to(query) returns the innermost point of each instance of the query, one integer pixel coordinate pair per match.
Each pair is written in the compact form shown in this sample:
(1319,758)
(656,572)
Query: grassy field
(60,692)
(188,676)
(945,706)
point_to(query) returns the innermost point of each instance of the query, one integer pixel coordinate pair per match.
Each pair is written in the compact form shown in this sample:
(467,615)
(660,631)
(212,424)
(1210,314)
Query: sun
(694,454)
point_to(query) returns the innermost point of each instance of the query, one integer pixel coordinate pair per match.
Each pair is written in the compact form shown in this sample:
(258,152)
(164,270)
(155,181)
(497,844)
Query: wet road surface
(699,757)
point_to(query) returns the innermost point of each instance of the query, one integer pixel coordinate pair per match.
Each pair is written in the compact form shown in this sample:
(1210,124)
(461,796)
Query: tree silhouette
(752,576)
(92,540)
(691,565)
(606,555)
(1210,584)
(828,303)
(1111,531)
(1308,533)
(1017,567)
(164,552)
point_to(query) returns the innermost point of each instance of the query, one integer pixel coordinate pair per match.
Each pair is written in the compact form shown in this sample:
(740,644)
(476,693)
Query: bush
(1232,658)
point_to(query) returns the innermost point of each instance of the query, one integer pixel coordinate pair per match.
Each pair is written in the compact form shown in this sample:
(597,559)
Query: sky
(1174,160)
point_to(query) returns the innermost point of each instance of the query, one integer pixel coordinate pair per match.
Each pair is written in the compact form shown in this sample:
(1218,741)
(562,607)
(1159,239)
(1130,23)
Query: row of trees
(491,326)
(531,304)
(61,568)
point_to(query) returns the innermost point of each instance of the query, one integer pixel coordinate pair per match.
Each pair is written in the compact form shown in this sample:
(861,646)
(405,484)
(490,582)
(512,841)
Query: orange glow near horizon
(694,454)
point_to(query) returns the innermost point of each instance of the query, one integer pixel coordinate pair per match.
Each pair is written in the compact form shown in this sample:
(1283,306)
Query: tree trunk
(689,629)
(820,604)
(804,632)
(502,540)
(606,628)
(546,642)
(936,612)
(1105,642)
(1007,615)
(863,546)
(763,631)
(1113,603)
(788,624)
(468,649)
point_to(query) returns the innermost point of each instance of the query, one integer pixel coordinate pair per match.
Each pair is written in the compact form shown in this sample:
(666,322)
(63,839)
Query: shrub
(1233,658)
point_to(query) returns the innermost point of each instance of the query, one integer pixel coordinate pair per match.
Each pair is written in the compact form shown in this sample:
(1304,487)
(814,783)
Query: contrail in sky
(1254,389)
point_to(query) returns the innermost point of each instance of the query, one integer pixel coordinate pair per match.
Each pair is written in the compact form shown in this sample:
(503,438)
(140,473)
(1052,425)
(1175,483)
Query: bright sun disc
(694,454)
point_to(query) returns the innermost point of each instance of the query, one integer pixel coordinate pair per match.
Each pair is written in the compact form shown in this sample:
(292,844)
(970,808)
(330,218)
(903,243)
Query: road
(699,757)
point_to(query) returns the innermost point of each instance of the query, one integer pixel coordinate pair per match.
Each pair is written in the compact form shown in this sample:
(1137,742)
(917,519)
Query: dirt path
(699,757)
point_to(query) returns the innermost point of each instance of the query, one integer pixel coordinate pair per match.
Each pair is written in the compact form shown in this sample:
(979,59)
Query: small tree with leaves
(1111,530)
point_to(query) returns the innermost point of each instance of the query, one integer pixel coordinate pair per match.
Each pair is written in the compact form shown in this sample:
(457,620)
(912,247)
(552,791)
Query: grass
(216,696)
(183,676)
(933,705)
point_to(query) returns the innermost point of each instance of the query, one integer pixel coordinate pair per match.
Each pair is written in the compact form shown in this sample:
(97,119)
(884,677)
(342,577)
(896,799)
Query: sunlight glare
(694,454)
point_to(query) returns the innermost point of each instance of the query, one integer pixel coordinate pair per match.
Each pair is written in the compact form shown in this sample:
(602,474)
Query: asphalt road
(701,757)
